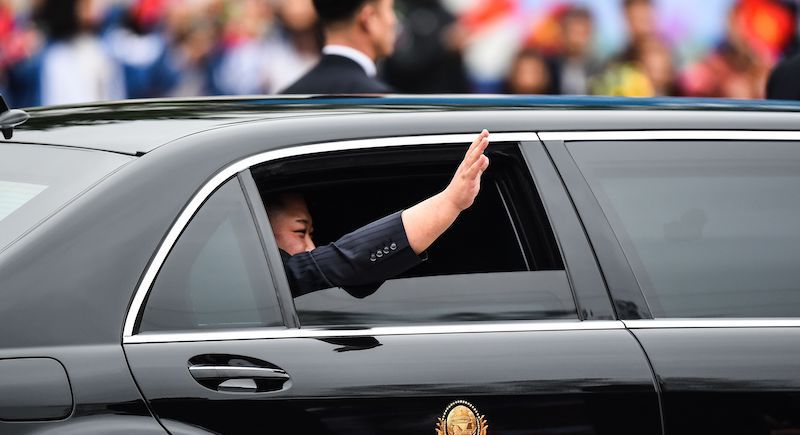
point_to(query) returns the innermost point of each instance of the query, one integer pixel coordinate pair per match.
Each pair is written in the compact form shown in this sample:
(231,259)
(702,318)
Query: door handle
(239,378)
(205,373)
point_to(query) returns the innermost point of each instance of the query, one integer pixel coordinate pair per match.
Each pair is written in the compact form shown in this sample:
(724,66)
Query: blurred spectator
(734,70)
(654,59)
(645,67)
(784,81)
(529,74)
(295,48)
(139,45)
(193,29)
(242,64)
(75,65)
(623,80)
(640,21)
(575,65)
(427,58)
(62,51)
(266,48)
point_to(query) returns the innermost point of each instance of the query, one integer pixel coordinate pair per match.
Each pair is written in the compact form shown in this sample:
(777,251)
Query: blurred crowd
(71,51)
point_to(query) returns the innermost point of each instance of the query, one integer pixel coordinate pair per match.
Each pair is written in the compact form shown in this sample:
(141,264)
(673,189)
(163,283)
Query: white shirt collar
(356,56)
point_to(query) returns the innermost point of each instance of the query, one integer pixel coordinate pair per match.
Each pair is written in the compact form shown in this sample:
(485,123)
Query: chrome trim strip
(671,135)
(261,334)
(233,169)
(711,323)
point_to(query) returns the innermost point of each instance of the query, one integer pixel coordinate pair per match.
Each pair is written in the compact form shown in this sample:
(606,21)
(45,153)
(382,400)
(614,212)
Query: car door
(218,343)
(706,225)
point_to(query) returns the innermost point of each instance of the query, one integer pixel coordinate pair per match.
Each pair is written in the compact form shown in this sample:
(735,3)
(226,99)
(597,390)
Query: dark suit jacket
(337,75)
(784,82)
(358,262)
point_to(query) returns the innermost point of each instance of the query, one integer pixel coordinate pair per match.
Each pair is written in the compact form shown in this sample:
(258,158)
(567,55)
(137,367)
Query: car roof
(136,127)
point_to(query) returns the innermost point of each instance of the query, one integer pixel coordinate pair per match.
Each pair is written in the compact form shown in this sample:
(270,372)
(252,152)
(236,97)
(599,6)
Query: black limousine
(629,267)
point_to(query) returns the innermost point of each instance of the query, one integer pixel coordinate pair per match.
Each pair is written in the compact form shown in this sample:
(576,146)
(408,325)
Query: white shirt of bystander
(79,71)
(354,55)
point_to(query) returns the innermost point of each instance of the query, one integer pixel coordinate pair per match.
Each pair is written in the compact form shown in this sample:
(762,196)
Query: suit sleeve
(358,262)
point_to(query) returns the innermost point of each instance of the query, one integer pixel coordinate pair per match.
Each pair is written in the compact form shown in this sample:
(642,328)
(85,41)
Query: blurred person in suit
(784,81)
(361,261)
(358,33)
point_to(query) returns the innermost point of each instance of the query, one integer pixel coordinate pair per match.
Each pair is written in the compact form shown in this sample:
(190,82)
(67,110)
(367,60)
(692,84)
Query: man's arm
(360,261)
(428,220)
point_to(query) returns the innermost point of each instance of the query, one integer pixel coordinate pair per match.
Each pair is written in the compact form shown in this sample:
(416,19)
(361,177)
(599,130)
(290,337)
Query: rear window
(711,229)
(36,181)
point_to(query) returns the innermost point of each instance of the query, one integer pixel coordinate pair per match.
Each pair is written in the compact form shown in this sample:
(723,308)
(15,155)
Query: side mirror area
(10,118)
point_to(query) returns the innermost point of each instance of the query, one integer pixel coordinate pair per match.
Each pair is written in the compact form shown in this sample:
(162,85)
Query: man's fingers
(477,152)
(477,143)
(478,167)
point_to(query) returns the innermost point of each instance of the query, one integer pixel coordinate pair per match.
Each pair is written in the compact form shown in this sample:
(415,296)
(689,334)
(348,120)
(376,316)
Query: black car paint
(65,295)
(732,381)
(523,382)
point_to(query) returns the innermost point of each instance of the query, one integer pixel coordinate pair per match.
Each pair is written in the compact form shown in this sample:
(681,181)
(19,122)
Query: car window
(711,229)
(216,275)
(37,180)
(498,262)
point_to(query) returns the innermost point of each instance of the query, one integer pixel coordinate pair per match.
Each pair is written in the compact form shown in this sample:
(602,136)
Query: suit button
(372,257)
(386,250)
(393,246)
(379,254)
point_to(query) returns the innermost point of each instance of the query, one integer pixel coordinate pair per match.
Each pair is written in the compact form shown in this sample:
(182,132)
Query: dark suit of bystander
(336,74)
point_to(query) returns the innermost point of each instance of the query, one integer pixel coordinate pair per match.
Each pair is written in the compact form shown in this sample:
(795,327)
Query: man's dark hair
(276,202)
(333,11)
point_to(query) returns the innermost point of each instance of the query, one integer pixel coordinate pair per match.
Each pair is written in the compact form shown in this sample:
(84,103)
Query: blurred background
(72,51)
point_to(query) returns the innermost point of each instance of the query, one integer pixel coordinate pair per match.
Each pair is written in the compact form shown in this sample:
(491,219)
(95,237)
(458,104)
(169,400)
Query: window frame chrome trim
(690,323)
(381,331)
(671,135)
(231,170)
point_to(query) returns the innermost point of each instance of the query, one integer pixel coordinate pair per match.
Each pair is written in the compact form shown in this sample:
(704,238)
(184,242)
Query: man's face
(292,225)
(383,28)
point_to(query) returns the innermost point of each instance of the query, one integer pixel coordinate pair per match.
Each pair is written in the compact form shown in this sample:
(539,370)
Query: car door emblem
(461,418)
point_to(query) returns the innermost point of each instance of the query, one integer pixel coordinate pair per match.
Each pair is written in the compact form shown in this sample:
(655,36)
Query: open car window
(498,262)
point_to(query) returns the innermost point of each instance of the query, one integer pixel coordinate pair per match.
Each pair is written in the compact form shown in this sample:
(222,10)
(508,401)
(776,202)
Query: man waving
(361,261)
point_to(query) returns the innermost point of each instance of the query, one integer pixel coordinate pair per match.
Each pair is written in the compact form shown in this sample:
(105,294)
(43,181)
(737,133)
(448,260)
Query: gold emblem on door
(461,418)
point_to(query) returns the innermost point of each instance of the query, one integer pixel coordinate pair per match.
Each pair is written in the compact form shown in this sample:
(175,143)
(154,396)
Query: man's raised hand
(466,182)
(426,221)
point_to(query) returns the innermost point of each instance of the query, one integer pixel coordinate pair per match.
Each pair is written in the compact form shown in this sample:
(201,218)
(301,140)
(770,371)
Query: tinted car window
(35,181)
(498,262)
(712,229)
(216,275)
